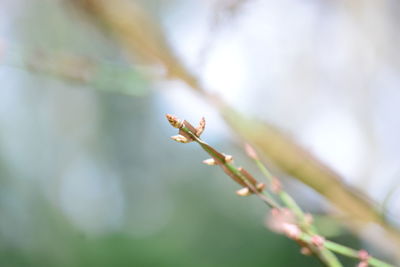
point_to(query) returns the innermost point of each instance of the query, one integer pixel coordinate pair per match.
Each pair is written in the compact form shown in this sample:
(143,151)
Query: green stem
(324,253)
(346,251)
(287,199)
(265,196)
(352,253)
(329,258)
(334,247)
(264,170)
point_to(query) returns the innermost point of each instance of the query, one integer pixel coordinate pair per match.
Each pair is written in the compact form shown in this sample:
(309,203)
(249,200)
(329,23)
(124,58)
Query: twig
(307,235)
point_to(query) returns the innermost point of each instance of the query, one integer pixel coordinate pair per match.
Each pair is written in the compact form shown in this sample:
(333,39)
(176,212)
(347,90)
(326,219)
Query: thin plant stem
(286,198)
(326,256)
(291,203)
(266,197)
(346,251)
(323,249)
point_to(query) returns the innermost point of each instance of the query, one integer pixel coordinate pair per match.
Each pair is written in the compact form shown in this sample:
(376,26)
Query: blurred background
(88,174)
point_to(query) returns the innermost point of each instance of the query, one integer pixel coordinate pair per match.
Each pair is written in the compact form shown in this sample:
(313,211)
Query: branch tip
(174,121)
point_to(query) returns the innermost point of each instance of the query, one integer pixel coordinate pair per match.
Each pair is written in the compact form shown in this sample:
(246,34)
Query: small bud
(318,241)
(250,151)
(210,162)
(275,212)
(308,218)
(291,230)
(174,121)
(282,221)
(248,176)
(186,135)
(363,255)
(228,158)
(260,187)
(305,251)
(276,185)
(179,138)
(243,192)
(362,264)
(201,127)
(287,212)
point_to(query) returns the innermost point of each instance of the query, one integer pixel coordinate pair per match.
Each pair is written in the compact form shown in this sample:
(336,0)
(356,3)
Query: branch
(300,229)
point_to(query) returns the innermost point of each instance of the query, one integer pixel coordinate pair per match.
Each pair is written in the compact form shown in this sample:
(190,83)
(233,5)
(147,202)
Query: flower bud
(243,192)
(260,187)
(201,127)
(305,251)
(276,185)
(210,162)
(174,121)
(250,151)
(318,241)
(363,255)
(291,230)
(228,158)
(179,138)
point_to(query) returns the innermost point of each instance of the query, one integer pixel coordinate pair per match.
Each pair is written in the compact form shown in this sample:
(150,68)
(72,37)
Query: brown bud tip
(210,162)
(174,121)
(243,192)
(250,151)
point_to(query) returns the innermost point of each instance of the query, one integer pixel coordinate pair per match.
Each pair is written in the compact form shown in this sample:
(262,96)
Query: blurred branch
(297,162)
(139,35)
(300,164)
(385,203)
(99,74)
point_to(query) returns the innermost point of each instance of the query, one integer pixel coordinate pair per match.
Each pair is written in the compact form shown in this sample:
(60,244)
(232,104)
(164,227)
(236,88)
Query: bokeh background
(89,176)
